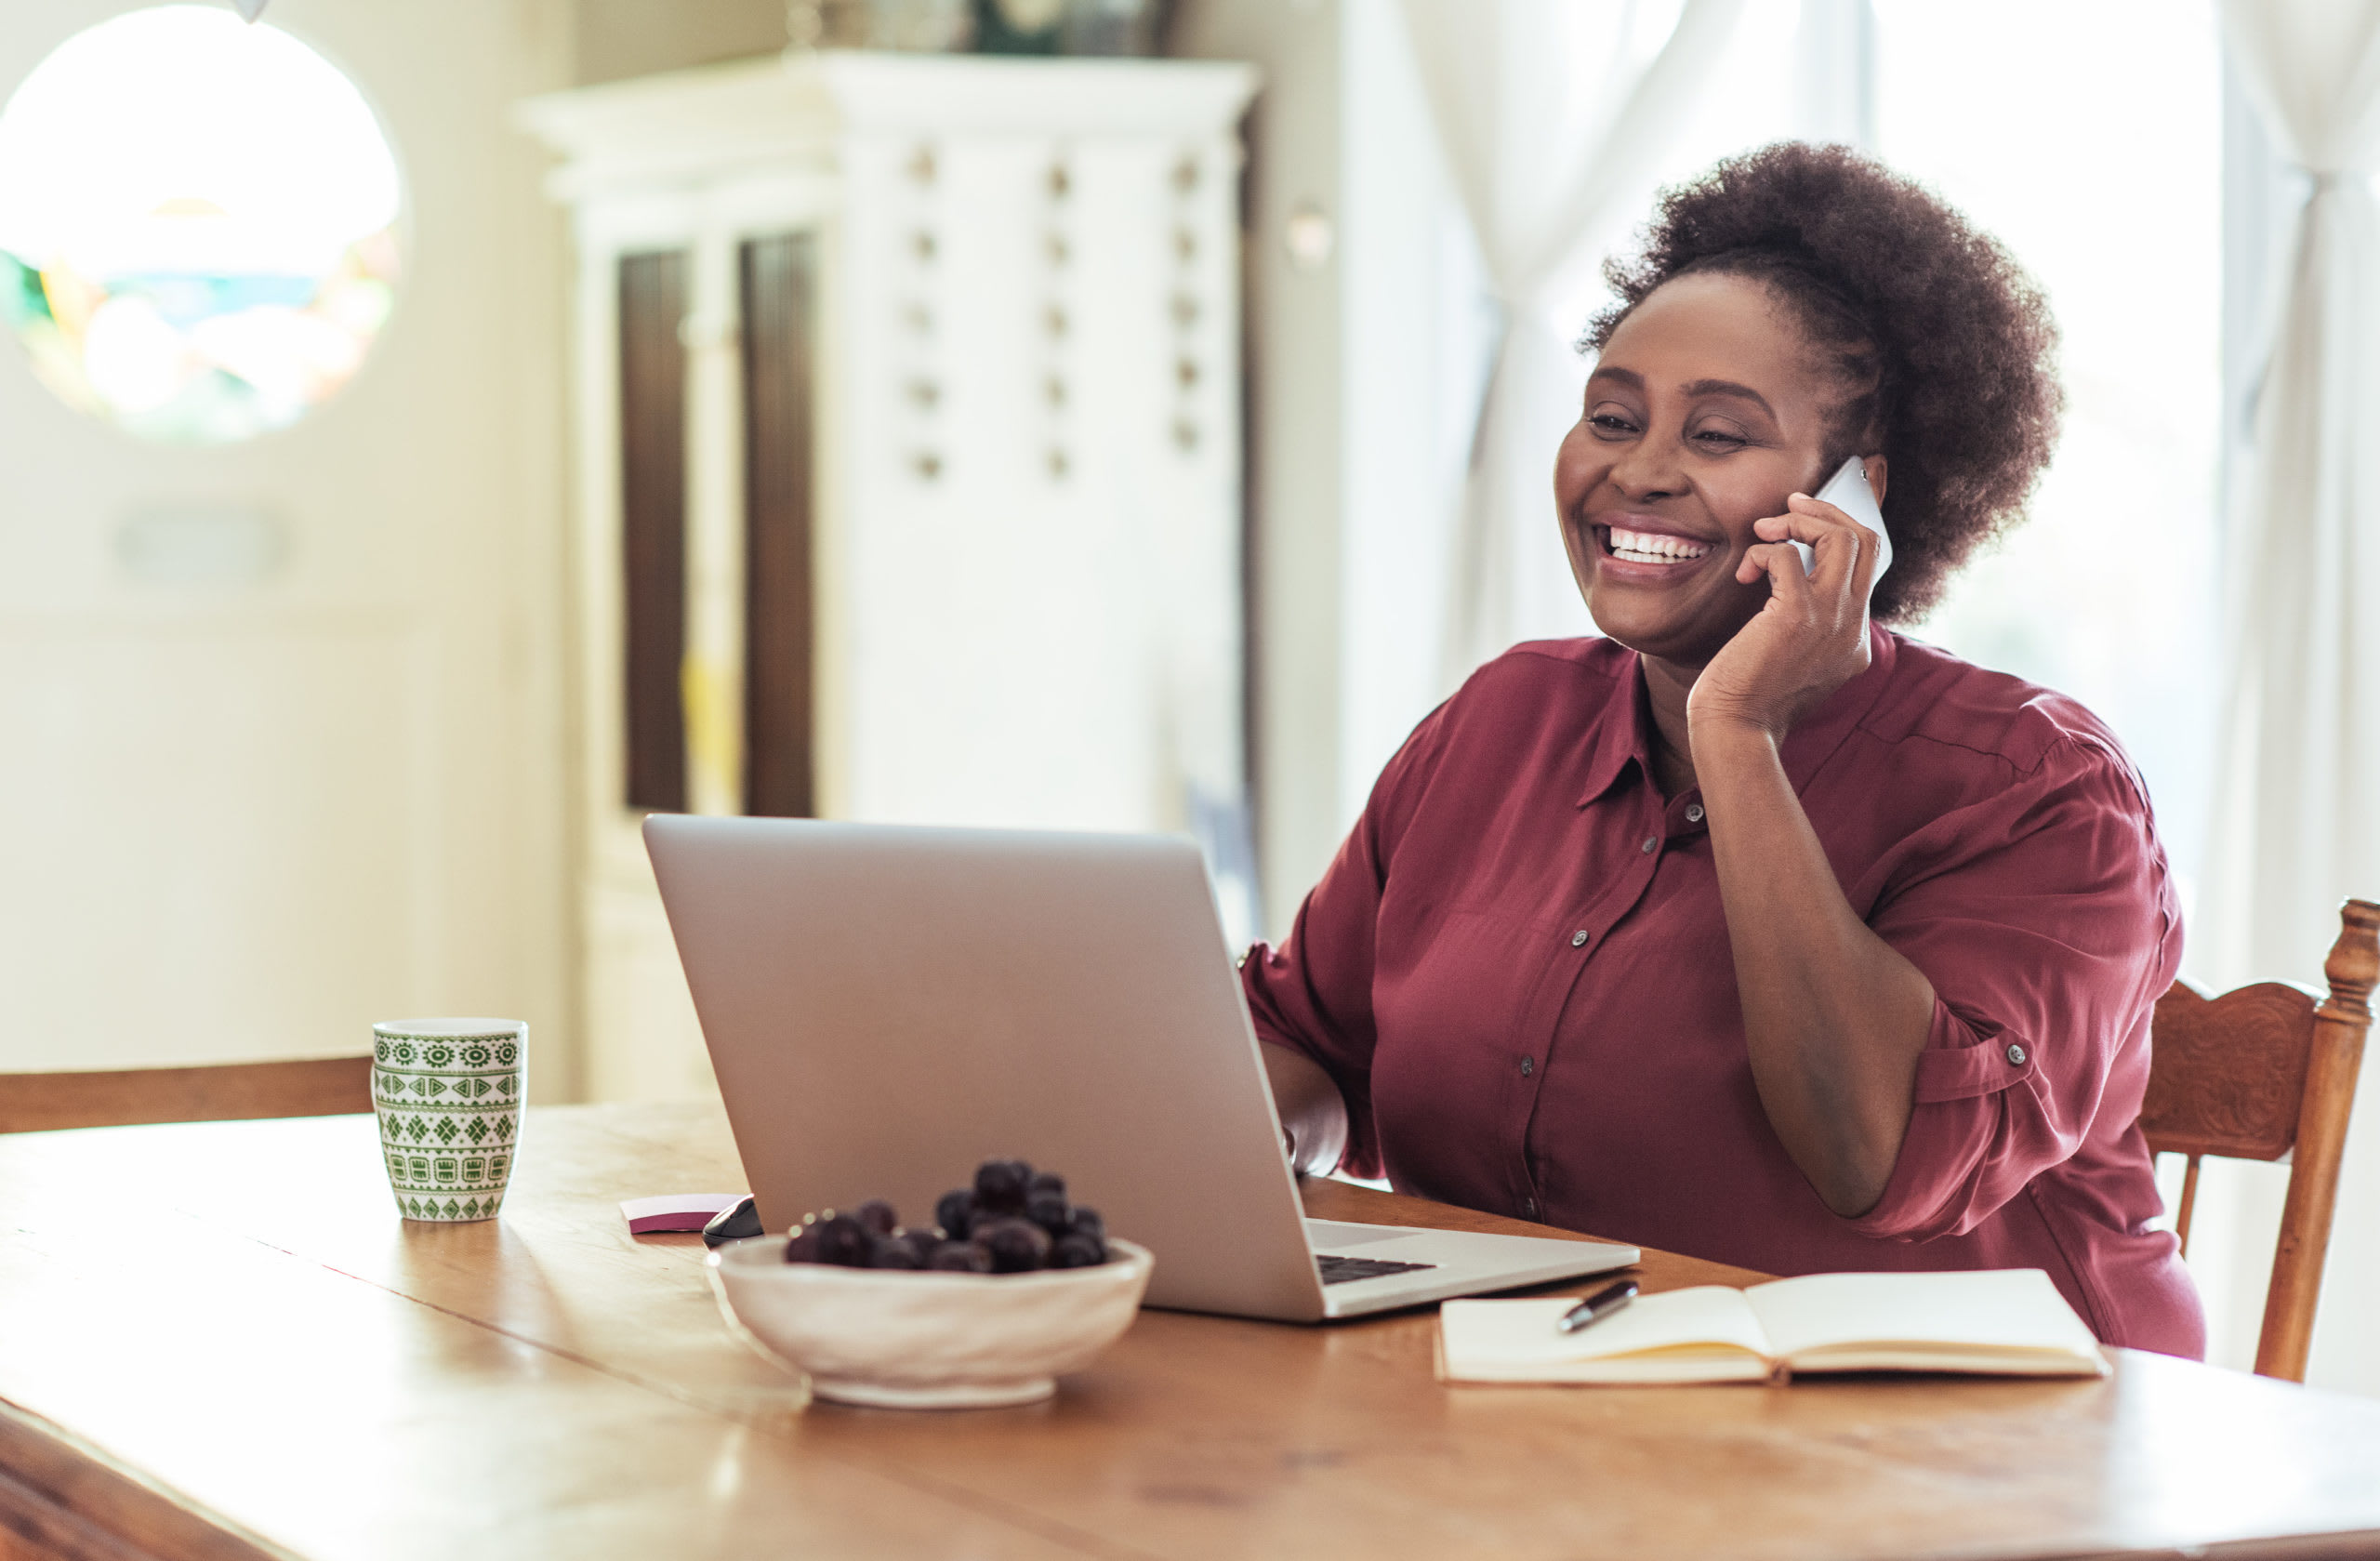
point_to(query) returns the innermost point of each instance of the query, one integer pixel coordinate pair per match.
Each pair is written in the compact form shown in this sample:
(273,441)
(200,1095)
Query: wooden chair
(2265,1073)
(316,1087)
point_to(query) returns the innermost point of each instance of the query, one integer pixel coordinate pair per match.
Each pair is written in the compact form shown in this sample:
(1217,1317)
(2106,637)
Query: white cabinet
(911,385)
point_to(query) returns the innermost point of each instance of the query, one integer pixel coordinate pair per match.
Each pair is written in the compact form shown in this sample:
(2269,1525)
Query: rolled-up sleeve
(1313,992)
(2044,919)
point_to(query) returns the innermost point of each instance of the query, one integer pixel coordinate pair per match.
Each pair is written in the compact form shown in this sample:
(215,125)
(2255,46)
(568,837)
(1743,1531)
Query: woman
(1754,930)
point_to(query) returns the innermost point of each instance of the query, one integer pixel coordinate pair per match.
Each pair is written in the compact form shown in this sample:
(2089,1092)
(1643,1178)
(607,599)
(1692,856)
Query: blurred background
(437,432)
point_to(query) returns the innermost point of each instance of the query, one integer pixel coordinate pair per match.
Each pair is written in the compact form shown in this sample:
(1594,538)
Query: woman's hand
(1314,1114)
(1810,637)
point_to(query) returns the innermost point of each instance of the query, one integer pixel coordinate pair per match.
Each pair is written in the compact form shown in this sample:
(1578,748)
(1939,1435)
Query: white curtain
(2298,780)
(1545,153)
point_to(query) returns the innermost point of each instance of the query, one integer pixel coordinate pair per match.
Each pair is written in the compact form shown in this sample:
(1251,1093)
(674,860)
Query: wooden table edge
(52,1484)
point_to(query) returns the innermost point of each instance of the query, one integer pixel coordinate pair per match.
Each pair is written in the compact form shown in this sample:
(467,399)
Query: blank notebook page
(1984,1310)
(1486,1335)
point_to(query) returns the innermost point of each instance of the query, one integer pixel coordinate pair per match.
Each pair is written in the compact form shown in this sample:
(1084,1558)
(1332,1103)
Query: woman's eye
(1610,422)
(1719,439)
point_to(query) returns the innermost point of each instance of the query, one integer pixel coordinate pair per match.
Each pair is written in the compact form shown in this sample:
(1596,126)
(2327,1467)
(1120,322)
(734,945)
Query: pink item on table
(674,1211)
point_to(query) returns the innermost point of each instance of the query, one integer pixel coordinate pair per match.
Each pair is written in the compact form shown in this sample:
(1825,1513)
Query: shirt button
(1529,1065)
(2016,1056)
(1694,813)
(1652,842)
(1579,938)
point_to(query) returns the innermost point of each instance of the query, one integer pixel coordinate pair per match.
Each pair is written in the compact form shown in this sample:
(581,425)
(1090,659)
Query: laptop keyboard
(1337,1270)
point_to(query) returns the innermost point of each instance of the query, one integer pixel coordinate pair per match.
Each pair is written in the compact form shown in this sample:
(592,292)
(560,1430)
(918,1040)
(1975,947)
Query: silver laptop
(886,1007)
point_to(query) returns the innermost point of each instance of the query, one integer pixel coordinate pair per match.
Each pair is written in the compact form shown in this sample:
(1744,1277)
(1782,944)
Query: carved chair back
(2267,1073)
(315,1087)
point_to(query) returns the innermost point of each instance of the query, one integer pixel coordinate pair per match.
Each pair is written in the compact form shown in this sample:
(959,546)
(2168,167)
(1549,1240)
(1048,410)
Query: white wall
(1294,388)
(1364,369)
(1415,349)
(247,819)
(620,38)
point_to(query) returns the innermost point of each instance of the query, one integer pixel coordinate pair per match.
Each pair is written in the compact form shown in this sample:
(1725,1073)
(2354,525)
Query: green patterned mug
(448,1095)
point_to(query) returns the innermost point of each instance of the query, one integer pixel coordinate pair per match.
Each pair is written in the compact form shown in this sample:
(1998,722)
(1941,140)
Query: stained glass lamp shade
(198,224)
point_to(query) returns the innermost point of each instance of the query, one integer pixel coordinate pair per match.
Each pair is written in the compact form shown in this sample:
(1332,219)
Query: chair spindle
(2189,1201)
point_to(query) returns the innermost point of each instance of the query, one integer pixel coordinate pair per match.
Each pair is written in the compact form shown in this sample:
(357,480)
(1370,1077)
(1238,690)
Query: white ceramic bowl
(908,1339)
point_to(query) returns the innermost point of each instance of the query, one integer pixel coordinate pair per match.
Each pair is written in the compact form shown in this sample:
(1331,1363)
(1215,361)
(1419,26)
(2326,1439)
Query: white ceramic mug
(448,1093)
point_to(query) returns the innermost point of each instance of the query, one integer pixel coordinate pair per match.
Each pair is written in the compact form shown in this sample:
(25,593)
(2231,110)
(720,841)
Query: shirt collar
(1623,726)
(1623,732)
(1814,740)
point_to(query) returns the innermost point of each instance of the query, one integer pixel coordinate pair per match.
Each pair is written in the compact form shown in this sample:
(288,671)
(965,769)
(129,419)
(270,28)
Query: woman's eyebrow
(1729,388)
(1635,381)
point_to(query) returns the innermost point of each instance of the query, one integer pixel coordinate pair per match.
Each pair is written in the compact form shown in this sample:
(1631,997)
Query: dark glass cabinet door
(652,527)
(776,284)
(777,281)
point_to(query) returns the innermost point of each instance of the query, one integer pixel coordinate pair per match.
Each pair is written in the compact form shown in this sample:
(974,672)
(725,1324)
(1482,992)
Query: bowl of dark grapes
(1009,1286)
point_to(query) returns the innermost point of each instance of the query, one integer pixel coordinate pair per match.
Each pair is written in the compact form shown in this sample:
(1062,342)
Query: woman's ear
(1875,467)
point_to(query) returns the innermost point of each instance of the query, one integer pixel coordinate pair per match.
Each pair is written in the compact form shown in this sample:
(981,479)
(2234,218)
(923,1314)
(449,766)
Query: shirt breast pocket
(1460,987)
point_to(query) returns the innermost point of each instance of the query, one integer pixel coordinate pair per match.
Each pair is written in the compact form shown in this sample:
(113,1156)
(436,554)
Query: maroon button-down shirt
(1518,971)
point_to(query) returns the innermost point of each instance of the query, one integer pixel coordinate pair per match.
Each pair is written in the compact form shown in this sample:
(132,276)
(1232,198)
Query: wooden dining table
(219,1341)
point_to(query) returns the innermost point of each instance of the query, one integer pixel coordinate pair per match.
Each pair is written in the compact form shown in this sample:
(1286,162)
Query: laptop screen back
(886,1007)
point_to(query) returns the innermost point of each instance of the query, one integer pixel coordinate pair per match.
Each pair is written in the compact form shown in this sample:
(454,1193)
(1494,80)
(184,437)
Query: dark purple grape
(956,1213)
(1077,1252)
(1012,1220)
(844,1241)
(1000,1187)
(891,1251)
(961,1257)
(1017,1246)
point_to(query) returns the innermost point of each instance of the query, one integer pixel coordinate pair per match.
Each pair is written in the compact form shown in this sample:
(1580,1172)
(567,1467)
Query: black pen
(1601,1304)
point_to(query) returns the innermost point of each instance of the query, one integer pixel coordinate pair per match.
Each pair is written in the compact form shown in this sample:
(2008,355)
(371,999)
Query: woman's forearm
(1834,1017)
(1313,1113)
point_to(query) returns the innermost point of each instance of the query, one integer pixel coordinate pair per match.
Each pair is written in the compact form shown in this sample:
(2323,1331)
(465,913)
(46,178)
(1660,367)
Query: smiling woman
(1754,930)
(1933,341)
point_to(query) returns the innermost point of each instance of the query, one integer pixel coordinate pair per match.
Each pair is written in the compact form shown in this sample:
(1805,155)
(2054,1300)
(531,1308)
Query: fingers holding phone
(1849,499)
(1822,559)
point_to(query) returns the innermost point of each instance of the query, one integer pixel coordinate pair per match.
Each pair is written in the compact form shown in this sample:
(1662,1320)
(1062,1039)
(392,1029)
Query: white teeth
(1654,547)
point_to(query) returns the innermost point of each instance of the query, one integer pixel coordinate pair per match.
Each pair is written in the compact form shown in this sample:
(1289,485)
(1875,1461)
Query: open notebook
(2007,1321)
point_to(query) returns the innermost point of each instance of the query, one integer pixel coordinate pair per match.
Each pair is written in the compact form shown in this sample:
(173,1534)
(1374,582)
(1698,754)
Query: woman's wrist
(1723,740)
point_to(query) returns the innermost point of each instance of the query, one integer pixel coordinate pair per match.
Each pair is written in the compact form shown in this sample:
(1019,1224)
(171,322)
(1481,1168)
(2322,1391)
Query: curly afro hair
(1945,343)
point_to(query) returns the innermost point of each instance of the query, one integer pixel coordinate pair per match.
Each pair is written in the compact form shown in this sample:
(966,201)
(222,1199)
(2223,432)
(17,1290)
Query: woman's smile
(1645,549)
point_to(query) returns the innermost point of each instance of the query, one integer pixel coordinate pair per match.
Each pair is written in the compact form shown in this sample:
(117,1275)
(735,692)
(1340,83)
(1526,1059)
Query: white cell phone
(1847,490)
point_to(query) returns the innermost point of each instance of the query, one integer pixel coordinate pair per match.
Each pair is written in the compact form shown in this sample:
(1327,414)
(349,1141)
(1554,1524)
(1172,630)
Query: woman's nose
(1647,469)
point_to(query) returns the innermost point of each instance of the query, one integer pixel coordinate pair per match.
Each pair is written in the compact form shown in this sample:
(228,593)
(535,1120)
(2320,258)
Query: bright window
(197,224)
(2104,182)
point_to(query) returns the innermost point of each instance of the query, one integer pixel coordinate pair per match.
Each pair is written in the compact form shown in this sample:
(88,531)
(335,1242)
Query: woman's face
(1705,409)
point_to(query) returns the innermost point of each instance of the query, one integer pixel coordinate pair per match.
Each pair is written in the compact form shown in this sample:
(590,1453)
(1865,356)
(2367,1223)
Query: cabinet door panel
(653,525)
(777,277)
